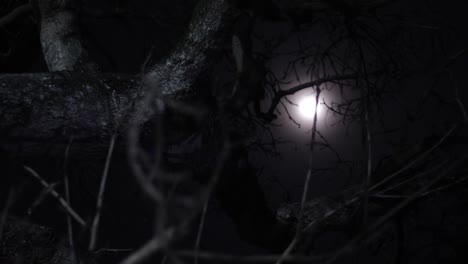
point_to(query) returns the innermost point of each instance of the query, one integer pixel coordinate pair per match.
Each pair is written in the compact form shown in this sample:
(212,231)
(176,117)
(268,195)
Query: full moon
(307,107)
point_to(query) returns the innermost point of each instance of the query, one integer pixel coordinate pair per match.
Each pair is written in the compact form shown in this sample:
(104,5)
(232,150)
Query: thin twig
(460,104)
(306,186)
(5,209)
(353,243)
(386,179)
(418,175)
(41,197)
(298,233)
(55,194)
(102,188)
(416,160)
(315,83)
(200,230)
(144,66)
(163,238)
(154,244)
(438,189)
(67,197)
(112,250)
(369,158)
(260,258)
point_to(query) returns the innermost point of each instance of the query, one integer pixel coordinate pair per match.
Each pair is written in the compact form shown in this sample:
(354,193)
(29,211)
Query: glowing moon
(307,107)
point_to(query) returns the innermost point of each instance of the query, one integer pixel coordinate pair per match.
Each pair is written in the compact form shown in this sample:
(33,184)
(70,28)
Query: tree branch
(50,107)
(203,39)
(60,38)
(282,93)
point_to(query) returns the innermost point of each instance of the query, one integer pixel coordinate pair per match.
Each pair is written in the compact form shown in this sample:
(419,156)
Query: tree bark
(52,107)
(61,41)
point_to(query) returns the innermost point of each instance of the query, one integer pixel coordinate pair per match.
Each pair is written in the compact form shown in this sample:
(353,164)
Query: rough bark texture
(61,43)
(322,212)
(25,242)
(206,32)
(52,107)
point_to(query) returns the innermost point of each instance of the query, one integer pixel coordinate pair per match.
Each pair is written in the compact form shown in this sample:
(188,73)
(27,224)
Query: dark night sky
(291,167)
(346,138)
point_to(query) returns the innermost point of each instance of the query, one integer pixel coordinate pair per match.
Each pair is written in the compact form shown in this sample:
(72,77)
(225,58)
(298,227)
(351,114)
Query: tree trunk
(47,109)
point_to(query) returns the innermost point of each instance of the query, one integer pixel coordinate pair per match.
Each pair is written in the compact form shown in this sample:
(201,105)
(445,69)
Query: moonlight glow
(307,107)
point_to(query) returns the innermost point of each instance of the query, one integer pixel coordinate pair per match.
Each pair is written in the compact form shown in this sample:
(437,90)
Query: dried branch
(154,244)
(95,225)
(315,83)
(383,219)
(67,197)
(54,193)
(200,231)
(416,160)
(299,227)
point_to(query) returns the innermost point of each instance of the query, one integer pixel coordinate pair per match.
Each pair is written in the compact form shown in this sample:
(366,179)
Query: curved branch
(61,42)
(203,39)
(48,108)
(282,93)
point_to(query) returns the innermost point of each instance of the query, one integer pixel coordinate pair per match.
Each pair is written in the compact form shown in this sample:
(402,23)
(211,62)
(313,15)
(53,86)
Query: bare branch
(299,227)
(54,193)
(315,83)
(67,197)
(10,17)
(203,39)
(200,230)
(95,225)
(383,219)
